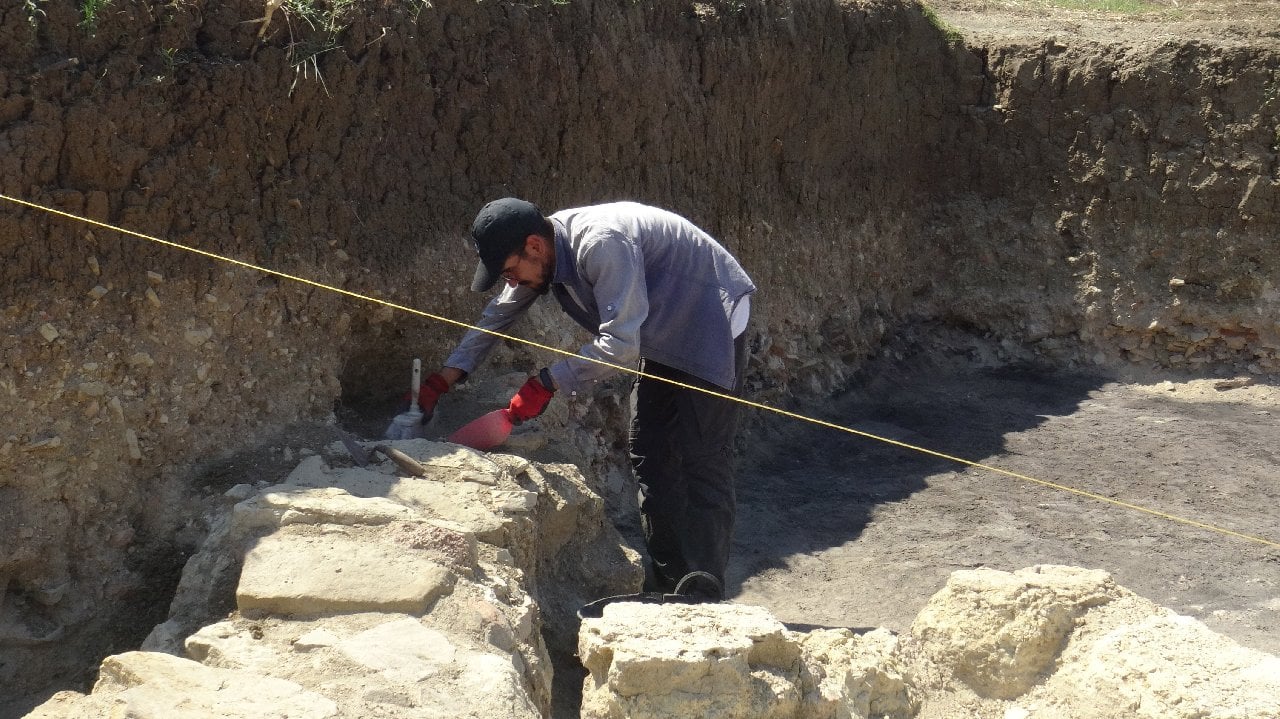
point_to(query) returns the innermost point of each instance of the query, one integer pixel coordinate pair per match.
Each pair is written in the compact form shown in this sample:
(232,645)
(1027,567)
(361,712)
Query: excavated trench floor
(840,530)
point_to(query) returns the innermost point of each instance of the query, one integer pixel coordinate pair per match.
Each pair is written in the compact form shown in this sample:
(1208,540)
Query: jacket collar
(565,269)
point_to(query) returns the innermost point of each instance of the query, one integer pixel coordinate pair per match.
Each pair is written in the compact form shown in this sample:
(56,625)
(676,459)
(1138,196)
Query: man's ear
(536,244)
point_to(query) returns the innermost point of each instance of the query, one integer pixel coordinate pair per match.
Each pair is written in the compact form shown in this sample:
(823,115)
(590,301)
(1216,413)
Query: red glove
(532,399)
(429,394)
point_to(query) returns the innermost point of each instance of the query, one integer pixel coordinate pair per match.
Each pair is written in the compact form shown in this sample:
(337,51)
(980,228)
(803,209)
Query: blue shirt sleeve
(612,266)
(501,312)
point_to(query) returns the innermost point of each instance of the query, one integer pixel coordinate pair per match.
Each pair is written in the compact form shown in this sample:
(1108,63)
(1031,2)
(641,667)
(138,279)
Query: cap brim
(484,278)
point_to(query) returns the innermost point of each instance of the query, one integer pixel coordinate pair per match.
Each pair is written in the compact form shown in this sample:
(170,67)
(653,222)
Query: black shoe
(700,587)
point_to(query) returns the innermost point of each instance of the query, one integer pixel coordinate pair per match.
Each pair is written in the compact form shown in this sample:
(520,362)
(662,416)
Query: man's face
(529,268)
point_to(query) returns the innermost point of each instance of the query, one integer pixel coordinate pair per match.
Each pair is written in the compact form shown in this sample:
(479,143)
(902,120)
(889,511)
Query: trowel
(408,425)
(486,432)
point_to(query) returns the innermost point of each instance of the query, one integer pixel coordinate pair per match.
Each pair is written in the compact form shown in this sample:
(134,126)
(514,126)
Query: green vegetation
(949,33)
(327,20)
(34,11)
(89,11)
(325,16)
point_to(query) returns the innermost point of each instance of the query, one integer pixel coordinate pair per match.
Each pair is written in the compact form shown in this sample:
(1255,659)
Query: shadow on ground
(806,488)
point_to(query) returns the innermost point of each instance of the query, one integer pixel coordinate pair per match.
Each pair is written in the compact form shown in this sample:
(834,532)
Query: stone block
(850,675)
(1171,667)
(466,503)
(722,660)
(285,504)
(327,573)
(402,650)
(1000,632)
(149,685)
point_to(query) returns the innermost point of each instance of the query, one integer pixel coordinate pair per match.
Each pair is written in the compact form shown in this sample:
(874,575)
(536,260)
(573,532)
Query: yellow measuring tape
(630,370)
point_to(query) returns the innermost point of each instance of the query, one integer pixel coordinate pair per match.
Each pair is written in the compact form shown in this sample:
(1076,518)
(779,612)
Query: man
(652,288)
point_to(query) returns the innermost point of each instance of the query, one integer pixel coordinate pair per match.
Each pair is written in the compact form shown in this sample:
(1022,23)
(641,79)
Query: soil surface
(838,530)
(1252,21)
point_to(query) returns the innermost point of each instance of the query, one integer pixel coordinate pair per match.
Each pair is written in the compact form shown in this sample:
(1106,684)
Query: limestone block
(449,541)
(514,501)
(577,554)
(719,660)
(284,504)
(1173,667)
(225,645)
(455,459)
(300,574)
(315,639)
(999,632)
(380,665)
(402,650)
(568,506)
(466,503)
(149,685)
(482,686)
(72,705)
(847,675)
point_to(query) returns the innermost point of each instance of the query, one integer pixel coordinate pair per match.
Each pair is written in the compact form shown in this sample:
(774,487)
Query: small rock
(240,492)
(53,442)
(98,292)
(121,537)
(141,359)
(152,297)
(195,338)
(315,639)
(93,265)
(131,439)
(1233,383)
(48,332)
(478,478)
(515,501)
(154,278)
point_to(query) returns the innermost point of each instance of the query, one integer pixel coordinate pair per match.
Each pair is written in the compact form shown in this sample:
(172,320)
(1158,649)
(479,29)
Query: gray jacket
(646,282)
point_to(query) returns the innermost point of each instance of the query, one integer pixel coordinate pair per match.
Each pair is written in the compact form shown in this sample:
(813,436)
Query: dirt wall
(1125,195)
(866,169)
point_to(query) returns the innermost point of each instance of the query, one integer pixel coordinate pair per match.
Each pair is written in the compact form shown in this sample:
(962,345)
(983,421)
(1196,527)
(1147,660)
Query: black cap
(500,230)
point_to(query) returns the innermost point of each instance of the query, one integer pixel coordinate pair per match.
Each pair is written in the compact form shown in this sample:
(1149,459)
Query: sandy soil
(1252,21)
(839,530)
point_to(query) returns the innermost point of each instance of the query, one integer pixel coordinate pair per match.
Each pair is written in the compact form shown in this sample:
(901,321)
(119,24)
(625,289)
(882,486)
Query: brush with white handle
(408,425)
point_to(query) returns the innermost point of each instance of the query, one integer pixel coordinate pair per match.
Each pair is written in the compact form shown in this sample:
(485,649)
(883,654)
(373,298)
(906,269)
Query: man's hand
(533,397)
(429,394)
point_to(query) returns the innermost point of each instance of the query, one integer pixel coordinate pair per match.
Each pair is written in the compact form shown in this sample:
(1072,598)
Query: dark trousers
(681,447)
